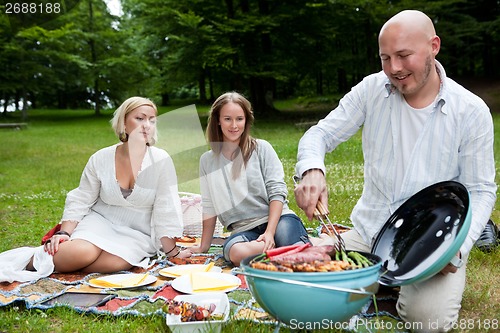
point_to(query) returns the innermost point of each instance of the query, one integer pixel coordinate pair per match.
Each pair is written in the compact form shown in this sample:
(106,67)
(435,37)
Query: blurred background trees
(85,57)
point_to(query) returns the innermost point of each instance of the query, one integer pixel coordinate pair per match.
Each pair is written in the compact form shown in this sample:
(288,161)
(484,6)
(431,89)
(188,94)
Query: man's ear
(435,44)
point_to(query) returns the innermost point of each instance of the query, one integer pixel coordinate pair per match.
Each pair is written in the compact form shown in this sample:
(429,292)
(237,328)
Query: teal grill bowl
(298,305)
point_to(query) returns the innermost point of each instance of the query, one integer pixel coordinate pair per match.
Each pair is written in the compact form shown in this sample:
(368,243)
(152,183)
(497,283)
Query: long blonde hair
(215,136)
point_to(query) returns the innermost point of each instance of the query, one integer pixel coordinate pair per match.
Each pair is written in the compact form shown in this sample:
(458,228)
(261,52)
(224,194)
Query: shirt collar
(440,99)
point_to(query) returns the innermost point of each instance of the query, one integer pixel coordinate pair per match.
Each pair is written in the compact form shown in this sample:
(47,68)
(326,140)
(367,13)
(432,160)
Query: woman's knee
(240,251)
(83,249)
(75,255)
(290,230)
(107,263)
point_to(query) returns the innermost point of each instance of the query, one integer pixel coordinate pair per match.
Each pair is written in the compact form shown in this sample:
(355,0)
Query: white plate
(172,271)
(183,283)
(119,278)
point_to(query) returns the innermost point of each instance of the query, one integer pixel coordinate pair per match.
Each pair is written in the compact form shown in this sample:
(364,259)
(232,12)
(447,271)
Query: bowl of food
(308,294)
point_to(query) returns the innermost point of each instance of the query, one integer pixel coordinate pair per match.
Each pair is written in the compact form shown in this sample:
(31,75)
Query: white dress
(130,227)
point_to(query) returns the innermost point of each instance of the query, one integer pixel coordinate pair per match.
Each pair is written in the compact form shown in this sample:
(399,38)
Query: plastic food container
(213,326)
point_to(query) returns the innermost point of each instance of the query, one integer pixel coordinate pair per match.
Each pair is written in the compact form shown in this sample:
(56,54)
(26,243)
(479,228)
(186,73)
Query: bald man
(419,128)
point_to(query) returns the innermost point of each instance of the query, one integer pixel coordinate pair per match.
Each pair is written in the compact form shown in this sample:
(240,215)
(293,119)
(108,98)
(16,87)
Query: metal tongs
(321,214)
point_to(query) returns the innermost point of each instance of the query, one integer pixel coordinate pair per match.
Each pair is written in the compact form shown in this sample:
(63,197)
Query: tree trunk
(24,110)
(17,100)
(93,54)
(342,80)
(201,87)
(165,99)
(97,102)
(319,82)
(6,98)
(211,85)
(262,88)
(261,96)
(489,67)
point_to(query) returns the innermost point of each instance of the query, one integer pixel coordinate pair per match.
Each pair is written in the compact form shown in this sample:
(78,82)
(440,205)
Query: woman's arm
(63,235)
(273,175)
(78,203)
(80,200)
(172,250)
(209,217)
(275,209)
(207,235)
(272,172)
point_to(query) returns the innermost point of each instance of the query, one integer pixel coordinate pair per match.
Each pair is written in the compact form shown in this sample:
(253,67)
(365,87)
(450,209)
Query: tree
(265,49)
(77,59)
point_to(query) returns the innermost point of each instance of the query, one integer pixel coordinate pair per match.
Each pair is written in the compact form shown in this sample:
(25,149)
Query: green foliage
(265,49)
(78,59)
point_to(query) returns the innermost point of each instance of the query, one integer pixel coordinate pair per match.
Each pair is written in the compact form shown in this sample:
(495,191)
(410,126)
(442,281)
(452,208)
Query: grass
(40,164)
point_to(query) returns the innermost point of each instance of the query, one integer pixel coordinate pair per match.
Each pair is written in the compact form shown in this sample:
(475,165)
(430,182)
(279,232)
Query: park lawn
(40,164)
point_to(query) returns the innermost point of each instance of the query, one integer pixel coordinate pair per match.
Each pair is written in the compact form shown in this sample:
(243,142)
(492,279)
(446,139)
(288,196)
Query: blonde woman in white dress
(125,210)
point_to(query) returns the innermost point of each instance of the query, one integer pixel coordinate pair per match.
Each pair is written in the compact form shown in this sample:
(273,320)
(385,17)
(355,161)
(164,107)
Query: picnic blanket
(148,300)
(142,301)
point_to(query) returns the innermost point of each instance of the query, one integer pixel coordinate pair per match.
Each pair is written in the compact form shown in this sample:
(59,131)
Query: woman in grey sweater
(242,184)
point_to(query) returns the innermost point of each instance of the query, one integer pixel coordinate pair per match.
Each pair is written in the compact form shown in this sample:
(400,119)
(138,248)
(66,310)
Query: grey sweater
(242,203)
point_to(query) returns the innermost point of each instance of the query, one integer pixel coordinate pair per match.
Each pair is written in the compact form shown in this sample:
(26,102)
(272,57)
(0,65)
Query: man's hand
(310,190)
(450,268)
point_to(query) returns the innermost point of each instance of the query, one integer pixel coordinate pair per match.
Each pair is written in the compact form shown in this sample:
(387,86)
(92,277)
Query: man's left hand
(451,268)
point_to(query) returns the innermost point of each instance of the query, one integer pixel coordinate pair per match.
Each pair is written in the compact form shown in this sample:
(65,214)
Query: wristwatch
(456,262)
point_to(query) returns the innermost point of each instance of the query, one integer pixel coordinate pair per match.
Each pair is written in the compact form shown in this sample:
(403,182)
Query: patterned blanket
(149,300)
(137,301)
